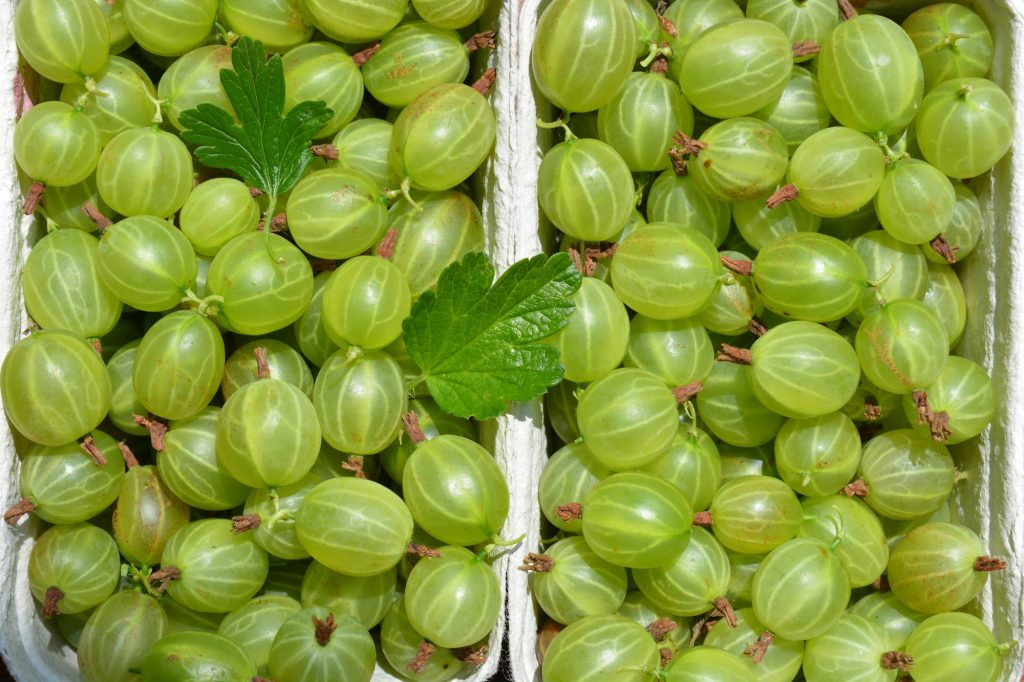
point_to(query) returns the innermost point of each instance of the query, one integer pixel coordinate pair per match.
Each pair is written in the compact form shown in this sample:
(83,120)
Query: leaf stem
(406,188)
(562,123)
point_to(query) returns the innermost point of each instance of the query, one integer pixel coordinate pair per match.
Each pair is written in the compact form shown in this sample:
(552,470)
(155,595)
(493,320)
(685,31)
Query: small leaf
(268,149)
(478,344)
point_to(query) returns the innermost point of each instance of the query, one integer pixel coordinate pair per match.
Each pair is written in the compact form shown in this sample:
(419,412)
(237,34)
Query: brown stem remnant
(939,426)
(537,563)
(872,410)
(32,199)
(89,446)
(157,430)
(386,249)
(572,511)
(988,564)
(856,489)
(245,522)
(668,26)
(758,649)
(737,265)
(897,660)
(363,56)
(666,654)
(938,422)
(419,550)
(805,48)
(101,221)
(426,650)
(847,10)
(162,578)
(678,161)
(740,356)
(701,627)
(881,584)
(723,607)
(97,346)
(354,463)
(660,65)
(262,366)
(255,192)
(130,460)
(944,249)
(482,40)
(782,195)
(702,519)
(684,393)
(756,327)
(471,656)
(324,629)
(325,151)
(51,602)
(18,510)
(411,420)
(661,627)
(484,83)
(687,144)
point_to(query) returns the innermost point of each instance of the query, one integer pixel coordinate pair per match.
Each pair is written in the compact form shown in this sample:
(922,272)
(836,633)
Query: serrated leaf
(267,148)
(477,343)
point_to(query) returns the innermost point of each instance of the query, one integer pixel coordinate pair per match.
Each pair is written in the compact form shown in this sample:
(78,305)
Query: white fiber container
(32,649)
(991,499)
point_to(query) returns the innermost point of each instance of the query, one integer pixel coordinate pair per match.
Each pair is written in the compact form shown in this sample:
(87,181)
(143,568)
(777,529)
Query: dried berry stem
(101,221)
(737,265)
(805,48)
(18,510)
(687,144)
(162,578)
(847,10)
(354,463)
(245,522)
(537,563)
(661,627)
(678,161)
(881,584)
(988,564)
(856,489)
(471,656)
(659,65)
(573,511)
(482,40)
(944,249)
(756,327)
(386,249)
(411,420)
(782,195)
(32,199)
(758,649)
(426,650)
(702,519)
(51,602)
(417,549)
(157,431)
(484,83)
(360,58)
(684,393)
(324,629)
(938,422)
(666,654)
(325,151)
(723,607)
(872,410)
(130,460)
(897,660)
(262,366)
(602,254)
(667,26)
(740,356)
(89,446)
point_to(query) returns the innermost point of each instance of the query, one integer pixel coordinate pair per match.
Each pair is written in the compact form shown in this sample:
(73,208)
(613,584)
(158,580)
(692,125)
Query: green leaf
(270,150)
(477,344)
